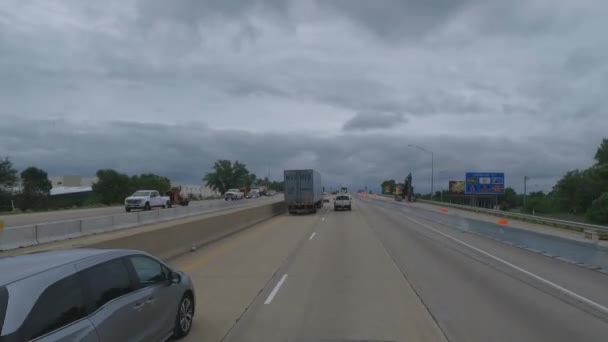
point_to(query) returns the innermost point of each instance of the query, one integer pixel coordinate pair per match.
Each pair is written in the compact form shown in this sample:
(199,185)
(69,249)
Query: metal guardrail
(570,225)
(35,234)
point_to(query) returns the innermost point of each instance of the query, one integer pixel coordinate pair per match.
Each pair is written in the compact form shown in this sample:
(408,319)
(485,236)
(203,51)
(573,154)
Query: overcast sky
(169,87)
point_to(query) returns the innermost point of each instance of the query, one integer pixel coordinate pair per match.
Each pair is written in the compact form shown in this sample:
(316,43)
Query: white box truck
(303,191)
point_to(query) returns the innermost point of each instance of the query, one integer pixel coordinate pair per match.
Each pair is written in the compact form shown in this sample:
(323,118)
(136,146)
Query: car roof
(14,268)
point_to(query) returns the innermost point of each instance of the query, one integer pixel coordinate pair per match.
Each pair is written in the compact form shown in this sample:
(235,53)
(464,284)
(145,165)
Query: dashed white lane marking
(275,290)
(312,235)
(322,218)
(564,290)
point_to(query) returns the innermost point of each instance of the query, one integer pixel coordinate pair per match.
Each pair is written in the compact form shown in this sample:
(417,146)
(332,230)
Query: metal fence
(29,235)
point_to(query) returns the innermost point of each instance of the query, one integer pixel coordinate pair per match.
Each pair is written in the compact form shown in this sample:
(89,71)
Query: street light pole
(432,164)
(525,190)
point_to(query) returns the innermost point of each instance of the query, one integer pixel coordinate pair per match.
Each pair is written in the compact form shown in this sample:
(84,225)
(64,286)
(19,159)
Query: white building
(197,190)
(72,181)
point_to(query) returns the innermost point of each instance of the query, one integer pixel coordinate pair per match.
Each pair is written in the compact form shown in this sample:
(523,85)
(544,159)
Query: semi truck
(303,191)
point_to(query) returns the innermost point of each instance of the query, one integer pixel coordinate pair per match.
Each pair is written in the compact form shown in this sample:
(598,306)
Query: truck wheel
(169,205)
(128,210)
(226,199)
(349,209)
(147,206)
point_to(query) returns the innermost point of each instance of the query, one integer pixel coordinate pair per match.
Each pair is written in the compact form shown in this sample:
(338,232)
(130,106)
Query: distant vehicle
(253,194)
(398,193)
(261,190)
(93,295)
(234,194)
(342,202)
(325,197)
(344,190)
(303,191)
(271,193)
(146,200)
(176,198)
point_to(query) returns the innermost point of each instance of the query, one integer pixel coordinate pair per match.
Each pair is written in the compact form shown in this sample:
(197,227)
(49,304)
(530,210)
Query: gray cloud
(364,121)
(485,84)
(185,152)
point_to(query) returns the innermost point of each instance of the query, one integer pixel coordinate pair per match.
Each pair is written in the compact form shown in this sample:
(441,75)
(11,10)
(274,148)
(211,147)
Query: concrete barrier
(61,230)
(48,232)
(96,224)
(175,240)
(11,238)
(123,221)
(147,216)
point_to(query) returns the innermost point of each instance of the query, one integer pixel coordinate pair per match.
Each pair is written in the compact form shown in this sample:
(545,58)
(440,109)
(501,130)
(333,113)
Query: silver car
(93,295)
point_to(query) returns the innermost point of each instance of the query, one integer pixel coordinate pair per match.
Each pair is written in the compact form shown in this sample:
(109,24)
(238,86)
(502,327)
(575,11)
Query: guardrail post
(36,233)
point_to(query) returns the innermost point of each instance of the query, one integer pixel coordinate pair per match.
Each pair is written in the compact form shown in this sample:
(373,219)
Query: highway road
(387,273)
(71,214)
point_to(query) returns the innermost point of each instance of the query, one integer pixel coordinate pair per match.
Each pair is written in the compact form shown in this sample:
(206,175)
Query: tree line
(235,175)
(583,193)
(31,189)
(27,190)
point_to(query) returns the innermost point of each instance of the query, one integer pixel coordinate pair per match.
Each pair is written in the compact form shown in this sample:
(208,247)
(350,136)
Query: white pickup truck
(342,202)
(233,194)
(146,200)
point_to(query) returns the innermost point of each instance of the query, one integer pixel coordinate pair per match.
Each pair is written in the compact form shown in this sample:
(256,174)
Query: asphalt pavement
(14,220)
(380,273)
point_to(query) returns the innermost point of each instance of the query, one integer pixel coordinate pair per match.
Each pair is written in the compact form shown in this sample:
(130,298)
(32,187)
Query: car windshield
(141,194)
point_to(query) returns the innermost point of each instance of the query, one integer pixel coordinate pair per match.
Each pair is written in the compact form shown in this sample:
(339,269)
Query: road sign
(484,183)
(456,187)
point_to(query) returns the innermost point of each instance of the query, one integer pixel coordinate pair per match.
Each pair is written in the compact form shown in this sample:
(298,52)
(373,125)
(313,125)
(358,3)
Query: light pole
(440,172)
(432,164)
(525,190)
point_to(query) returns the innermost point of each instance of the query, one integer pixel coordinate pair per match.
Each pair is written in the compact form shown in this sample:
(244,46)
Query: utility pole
(525,190)
(432,164)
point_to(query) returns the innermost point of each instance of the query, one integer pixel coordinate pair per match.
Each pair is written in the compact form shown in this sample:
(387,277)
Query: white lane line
(312,236)
(275,290)
(322,218)
(564,290)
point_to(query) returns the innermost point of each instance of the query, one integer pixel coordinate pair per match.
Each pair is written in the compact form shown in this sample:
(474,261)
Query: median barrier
(15,237)
(147,216)
(123,221)
(48,232)
(180,238)
(96,224)
(11,238)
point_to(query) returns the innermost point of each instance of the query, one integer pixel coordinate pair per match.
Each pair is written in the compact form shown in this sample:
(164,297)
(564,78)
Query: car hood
(136,198)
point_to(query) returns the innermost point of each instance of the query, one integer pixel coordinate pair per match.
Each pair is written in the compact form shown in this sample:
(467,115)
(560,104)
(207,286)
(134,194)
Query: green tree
(598,212)
(36,188)
(508,200)
(8,177)
(111,187)
(227,175)
(601,155)
(149,181)
(388,186)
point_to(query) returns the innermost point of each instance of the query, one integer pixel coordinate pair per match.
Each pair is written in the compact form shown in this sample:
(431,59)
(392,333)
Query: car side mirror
(175,278)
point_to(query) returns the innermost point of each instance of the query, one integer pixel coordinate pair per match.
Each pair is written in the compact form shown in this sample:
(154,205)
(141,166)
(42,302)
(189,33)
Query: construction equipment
(176,197)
